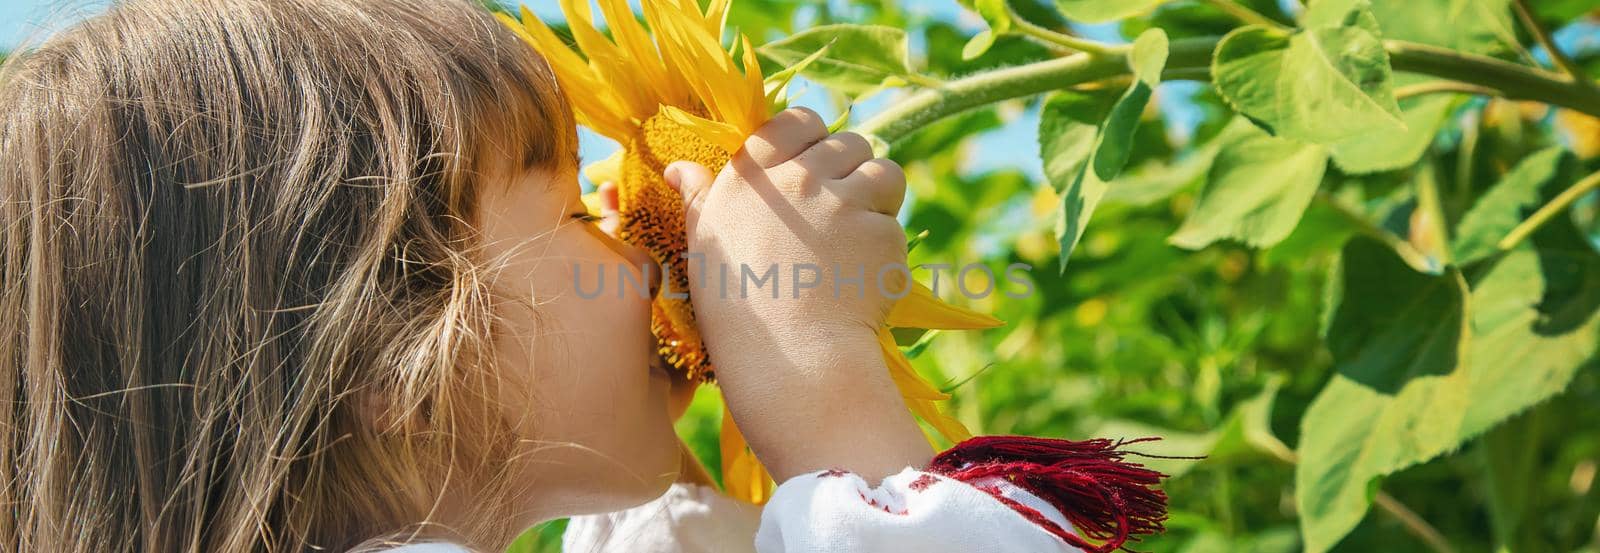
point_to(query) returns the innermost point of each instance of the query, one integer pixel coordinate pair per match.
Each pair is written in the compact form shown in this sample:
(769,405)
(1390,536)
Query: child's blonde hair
(241,306)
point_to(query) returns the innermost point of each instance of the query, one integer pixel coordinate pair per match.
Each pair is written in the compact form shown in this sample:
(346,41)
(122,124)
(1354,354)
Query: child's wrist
(808,349)
(824,405)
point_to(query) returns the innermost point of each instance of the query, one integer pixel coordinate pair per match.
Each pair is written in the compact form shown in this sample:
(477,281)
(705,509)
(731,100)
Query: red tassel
(1107,498)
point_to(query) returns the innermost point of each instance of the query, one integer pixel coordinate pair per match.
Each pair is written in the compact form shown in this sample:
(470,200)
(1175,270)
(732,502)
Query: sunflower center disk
(652,218)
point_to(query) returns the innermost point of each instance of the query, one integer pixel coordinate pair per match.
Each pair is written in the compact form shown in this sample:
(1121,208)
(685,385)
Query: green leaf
(1423,116)
(1257,189)
(1396,337)
(1511,459)
(1562,9)
(979,44)
(1536,321)
(1408,391)
(1248,429)
(1079,197)
(1323,84)
(998,16)
(1096,11)
(995,13)
(842,120)
(1333,13)
(1505,205)
(1529,342)
(1068,124)
(1154,181)
(776,83)
(1477,26)
(1069,121)
(1245,433)
(1115,143)
(861,58)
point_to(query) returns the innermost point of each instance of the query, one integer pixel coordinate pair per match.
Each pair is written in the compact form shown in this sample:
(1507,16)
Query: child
(292,275)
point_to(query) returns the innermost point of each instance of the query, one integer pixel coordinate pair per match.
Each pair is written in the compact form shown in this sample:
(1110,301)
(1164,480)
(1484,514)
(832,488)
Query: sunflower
(671,93)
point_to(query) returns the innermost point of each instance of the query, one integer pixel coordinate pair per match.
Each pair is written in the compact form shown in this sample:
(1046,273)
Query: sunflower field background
(1346,251)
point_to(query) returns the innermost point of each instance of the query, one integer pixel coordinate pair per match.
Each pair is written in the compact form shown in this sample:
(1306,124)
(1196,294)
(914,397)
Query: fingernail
(671,174)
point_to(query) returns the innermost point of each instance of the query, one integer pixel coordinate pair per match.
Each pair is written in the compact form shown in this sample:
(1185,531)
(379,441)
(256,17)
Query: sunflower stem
(1247,15)
(1413,523)
(1542,36)
(1052,38)
(924,81)
(1187,59)
(927,106)
(1416,259)
(1514,81)
(1442,87)
(1548,212)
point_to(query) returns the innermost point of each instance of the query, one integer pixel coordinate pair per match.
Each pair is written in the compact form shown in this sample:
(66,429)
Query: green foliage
(1068,134)
(998,16)
(1387,151)
(859,58)
(1327,82)
(1396,338)
(1095,11)
(1148,58)
(1302,273)
(1477,26)
(1257,188)
(1504,206)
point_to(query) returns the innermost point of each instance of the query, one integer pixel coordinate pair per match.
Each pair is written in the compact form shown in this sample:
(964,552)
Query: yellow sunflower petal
(725,136)
(754,95)
(922,309)
(591,203)
(665,20)
(717,16)
(699,52)
(674,32)
(920,395)
(743,477)
(670,87)
(911,384)
(951,428)
(606,170)
(597,107)
(609,61)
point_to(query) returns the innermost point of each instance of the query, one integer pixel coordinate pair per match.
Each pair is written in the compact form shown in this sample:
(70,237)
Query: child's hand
(800,367)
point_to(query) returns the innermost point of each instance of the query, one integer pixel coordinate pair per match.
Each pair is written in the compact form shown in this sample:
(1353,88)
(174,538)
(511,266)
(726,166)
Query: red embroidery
(922,482)
(1105,497)
(874,503)
(1033,515)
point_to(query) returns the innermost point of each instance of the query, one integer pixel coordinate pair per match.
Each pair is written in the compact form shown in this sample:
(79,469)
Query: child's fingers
(610,219)
(691,180)
(879,184)
(785,136)
(837,156)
